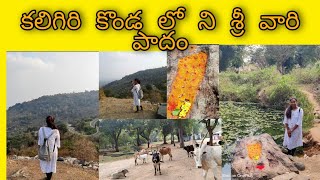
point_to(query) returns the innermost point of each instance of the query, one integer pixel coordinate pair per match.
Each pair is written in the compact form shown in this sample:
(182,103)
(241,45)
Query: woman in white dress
(293,127)
(135,90)
(51,131)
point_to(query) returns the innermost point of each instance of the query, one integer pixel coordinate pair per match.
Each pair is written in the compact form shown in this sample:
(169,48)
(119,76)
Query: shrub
(278,96)
(79,147)
(63,128)
(309,75)
(248,93)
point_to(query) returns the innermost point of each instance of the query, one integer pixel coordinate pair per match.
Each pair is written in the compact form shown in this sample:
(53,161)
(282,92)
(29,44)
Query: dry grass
(32,170)
(113,108)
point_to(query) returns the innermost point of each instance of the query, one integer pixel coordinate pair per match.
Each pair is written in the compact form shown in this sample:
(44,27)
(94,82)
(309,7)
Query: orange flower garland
(190,73)
(254,151)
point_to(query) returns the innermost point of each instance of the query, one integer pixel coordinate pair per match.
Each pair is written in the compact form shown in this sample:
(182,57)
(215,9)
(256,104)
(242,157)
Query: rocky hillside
(67,108)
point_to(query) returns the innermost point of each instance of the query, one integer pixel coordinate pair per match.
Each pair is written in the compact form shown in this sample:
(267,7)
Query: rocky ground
(28,168)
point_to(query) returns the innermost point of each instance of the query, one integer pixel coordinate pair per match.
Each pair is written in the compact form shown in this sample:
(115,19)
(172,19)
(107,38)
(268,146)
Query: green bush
(278,96)
(84,126)
(107,92)
(248,93)
(309,75)
(63,128)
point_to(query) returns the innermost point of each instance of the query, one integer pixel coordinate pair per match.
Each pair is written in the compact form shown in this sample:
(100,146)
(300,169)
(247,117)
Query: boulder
(285,176)
(60,159)
(84,163)
(76,162)
(301,177)
(267,162)
(21,174)
(20,157)
(14,157)
(300,166)
(70,160)
(95,168)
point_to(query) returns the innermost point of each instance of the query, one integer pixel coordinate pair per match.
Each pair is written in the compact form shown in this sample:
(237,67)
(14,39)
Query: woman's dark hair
(137,80)
(289,109)
(50,122)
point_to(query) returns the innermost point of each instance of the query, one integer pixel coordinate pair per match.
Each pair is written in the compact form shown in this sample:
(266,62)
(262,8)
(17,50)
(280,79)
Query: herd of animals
(206,157)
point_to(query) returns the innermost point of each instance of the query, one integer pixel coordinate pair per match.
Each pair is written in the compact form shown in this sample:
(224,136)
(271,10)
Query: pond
(240,120)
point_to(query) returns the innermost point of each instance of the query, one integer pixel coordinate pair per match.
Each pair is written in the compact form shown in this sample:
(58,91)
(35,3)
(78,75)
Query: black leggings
(49,175)
(291,152)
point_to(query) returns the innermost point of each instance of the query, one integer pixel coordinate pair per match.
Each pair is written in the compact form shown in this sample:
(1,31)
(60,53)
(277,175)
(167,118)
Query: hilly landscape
(153,81)
(75,115)
(67,108)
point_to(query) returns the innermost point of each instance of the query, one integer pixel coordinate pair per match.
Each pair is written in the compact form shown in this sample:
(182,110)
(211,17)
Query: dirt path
(181,167)
(312,167)
(315,131)
(113,108)
(31,170)
(312,99)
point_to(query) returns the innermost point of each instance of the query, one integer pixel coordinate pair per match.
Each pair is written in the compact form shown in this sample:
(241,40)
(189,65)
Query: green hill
(153,81)
(67,108)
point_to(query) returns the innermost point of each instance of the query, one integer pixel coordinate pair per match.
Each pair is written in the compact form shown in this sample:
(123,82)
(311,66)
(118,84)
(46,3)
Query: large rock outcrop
(264,161)
(206,103)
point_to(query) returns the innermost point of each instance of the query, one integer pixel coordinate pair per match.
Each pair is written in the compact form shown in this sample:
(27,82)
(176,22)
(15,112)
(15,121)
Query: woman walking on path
(293,127)
(52,134)
(135,91)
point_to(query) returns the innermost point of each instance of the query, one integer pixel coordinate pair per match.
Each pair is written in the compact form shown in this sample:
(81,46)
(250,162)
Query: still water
(240,120)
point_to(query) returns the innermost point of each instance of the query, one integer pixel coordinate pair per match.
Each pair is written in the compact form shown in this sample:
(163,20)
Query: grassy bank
(270,88)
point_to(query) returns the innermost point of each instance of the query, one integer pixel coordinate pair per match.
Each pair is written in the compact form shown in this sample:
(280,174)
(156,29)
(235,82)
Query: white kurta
(135,90)
(54,144)
(296,136)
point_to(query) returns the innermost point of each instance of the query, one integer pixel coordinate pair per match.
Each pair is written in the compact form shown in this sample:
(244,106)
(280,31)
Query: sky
(116,65)
(31,75)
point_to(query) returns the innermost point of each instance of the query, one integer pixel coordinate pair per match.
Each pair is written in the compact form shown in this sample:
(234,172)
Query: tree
(149,126)
(210,127)
(258,57)
(231,56)
(180,130)
(226,53)
(172,132)
(282,56)
(137,126)
(113,128)
(306,55)
(166,129)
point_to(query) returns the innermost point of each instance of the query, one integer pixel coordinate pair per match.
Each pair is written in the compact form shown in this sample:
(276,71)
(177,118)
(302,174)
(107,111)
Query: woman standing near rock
(52,136)
(293,127)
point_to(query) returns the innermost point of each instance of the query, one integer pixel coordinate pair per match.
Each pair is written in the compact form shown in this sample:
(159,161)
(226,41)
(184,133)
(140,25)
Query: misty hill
(67,108)
(153,81)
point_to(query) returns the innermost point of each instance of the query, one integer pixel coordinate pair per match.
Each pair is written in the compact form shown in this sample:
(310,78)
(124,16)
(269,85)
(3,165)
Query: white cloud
(33,74)
(20,62)
(115,65)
